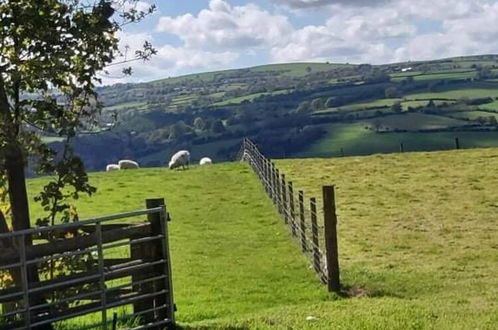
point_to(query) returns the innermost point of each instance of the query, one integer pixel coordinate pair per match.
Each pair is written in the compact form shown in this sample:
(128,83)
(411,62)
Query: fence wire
(300,214)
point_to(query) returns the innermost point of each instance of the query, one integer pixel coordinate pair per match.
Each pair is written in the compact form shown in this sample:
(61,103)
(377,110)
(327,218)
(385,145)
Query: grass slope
(354,139)
(417,234)
(231,253)
(418,227)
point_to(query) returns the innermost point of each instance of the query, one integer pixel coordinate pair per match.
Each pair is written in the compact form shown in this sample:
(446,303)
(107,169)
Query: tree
(317,104)
(304,107)
(492,120)
(53,50)
(199,124)
(217,126)
(391,92)
(396,107)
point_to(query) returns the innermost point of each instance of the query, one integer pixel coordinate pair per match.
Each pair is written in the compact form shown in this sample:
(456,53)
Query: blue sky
(204,35)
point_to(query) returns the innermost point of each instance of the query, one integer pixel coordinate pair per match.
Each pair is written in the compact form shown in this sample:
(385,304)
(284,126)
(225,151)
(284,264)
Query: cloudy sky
(204,35)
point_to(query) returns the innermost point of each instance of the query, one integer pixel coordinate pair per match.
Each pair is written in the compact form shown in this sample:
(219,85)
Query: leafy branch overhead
(51,55)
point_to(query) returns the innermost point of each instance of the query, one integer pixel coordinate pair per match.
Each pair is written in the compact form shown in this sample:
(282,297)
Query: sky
(194,36)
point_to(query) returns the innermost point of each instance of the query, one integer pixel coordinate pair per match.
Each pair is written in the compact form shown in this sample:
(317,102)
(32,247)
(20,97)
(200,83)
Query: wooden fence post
(278,190)
(457,143)
(401,147)
(342,152)
(292,210)
(273,183)
(314,237)
(284,199)
(330,223)
(302,220)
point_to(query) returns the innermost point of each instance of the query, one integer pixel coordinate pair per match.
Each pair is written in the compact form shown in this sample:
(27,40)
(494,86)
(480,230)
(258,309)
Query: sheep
(205,161)
(112,167)
(181,158)
(127,164)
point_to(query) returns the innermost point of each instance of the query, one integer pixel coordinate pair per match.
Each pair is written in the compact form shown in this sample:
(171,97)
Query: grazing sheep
(206,161)
(126,164)
(112,167)
(181,158)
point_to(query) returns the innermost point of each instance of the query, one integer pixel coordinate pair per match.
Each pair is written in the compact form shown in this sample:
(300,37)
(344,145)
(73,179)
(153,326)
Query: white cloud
(222,26)
(168,61)
(357,32)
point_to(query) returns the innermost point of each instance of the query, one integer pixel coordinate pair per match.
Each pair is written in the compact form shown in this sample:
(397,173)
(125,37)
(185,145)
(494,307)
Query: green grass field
(415,121)
(416,235)
(475,90)
(354,139)
(298,69)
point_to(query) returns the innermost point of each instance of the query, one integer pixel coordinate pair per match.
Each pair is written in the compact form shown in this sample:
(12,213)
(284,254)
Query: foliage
(53,51)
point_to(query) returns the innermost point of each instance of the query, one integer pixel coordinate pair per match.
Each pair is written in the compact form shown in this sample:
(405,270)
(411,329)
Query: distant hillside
(307,109)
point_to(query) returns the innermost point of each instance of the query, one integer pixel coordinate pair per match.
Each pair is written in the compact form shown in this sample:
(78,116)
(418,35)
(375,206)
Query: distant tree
(317,104)
(396,107)
(481,120)
(376,76)
(304,107)
(177,130)
(484,73)
(330,103)
(217,126)
(199,124)
(308,69)
(391,92)
(431,104)
(492,120)
(377,125)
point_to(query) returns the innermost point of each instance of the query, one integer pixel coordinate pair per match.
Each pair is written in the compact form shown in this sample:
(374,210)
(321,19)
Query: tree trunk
(14,164)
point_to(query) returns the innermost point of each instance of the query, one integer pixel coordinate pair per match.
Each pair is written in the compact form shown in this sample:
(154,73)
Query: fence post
(314,237)
(274,183)
(278,190)
(457,143)
(302,221)
(160,250)
(401,147)
(292,210)
(342,152)
(284,199)
(330,223)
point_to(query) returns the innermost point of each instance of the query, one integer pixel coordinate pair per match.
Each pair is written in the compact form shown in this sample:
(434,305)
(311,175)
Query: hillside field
(417,238)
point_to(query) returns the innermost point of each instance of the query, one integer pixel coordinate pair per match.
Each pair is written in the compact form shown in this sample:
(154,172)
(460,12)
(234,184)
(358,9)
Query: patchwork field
(417,242)
(355,139)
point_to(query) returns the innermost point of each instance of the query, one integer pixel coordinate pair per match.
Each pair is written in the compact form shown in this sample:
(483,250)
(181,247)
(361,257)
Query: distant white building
(406,69)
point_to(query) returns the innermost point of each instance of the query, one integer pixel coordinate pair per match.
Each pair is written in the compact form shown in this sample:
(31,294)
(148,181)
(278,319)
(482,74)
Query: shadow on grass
(206,327)
(355,291)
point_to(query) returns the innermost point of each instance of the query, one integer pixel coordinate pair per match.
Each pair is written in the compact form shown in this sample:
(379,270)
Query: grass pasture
(418,227)
(417,242)
(354,139)
(416,121)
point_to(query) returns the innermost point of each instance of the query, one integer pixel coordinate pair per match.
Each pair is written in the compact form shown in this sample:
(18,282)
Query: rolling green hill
(416,234)
(292,109)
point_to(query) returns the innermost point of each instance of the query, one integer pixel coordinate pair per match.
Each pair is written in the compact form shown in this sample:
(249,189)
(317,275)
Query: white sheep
(181,158)
(112,167)
(205,161)
(127,164)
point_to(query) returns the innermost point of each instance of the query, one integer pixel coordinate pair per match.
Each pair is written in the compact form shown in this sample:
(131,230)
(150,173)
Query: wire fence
(301,215)
(100,266)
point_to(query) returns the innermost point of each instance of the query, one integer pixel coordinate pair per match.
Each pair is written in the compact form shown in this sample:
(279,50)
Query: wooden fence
(302,217)
(90,267)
